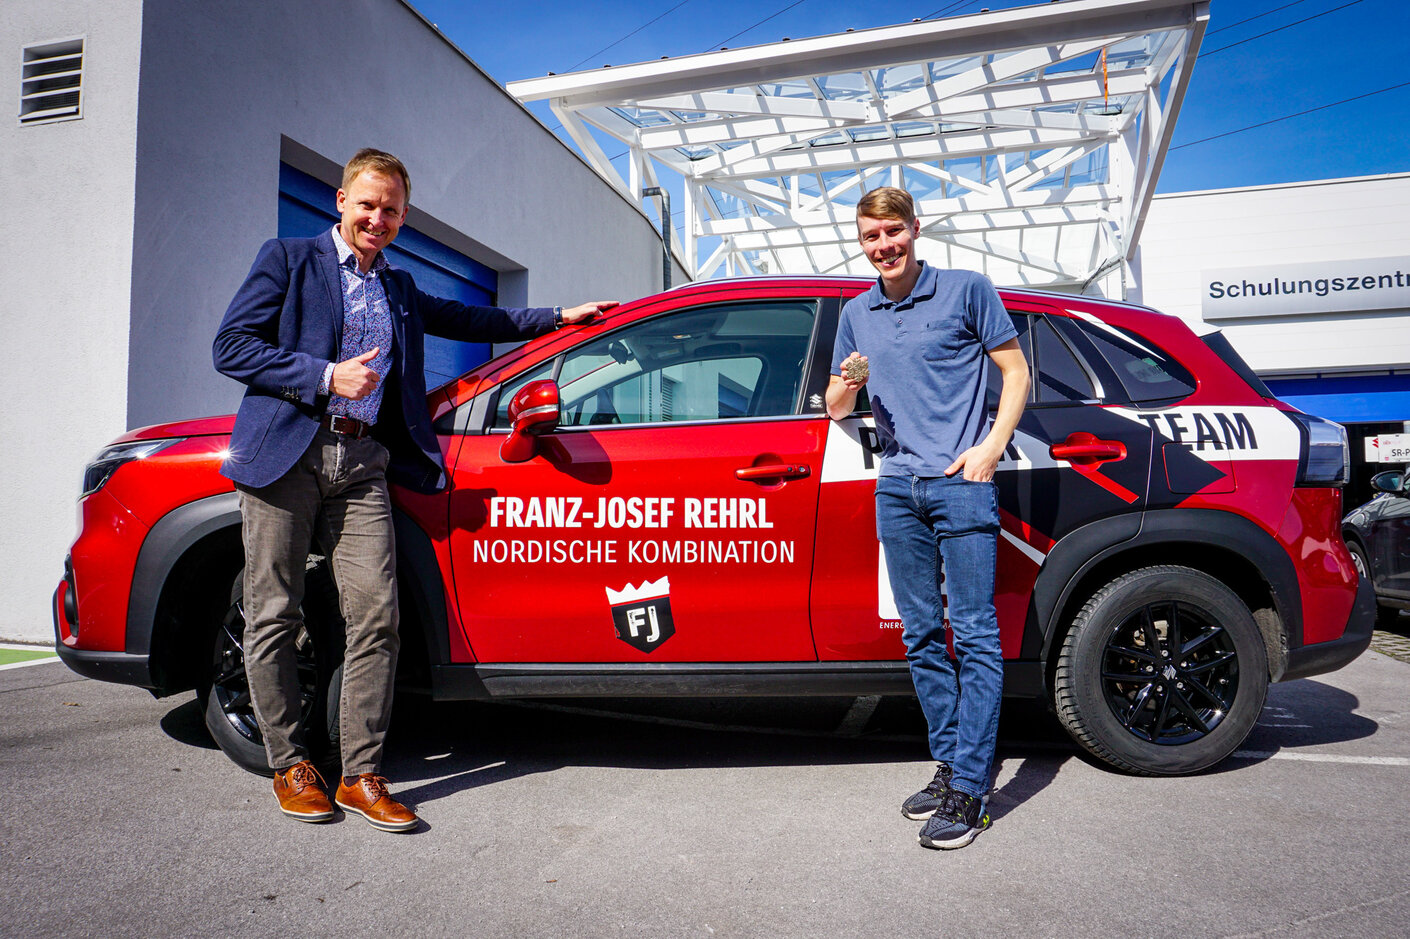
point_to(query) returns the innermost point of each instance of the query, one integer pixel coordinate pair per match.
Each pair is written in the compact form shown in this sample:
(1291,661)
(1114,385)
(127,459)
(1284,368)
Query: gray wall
(224,84)
(65,262)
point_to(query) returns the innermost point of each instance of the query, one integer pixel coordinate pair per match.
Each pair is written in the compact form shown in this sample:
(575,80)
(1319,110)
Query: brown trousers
(336,497)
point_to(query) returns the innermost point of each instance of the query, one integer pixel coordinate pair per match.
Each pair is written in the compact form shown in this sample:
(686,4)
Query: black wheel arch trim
(170,538)
(420,582)
(1084,549)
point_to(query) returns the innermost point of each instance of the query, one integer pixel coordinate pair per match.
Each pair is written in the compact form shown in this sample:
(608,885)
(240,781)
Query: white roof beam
(1066,89)
(979,243)
(888,46)
(927,209)
(1161,145)
(979,223)
(706,133)
(973,185)
(743,105)
(1035,171)
(1089,125)
(906,150)
(590,149)
(997,70)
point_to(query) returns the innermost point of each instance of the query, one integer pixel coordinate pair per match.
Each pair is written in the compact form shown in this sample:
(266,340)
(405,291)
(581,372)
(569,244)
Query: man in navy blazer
(329,341)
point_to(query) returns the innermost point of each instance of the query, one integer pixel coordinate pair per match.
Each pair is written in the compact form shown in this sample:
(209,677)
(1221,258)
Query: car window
(1057,374)
(1147,372)
(715,363)
(1060,376)
(509,388)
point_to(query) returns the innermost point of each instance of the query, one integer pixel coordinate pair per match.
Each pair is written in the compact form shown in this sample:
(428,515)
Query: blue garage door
(1353,399)
(308,206)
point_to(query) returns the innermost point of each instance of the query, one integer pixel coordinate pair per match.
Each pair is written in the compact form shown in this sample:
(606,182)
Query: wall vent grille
(51,83)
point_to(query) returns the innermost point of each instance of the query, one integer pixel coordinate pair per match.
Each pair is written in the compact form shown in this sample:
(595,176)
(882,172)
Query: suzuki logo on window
(642,615)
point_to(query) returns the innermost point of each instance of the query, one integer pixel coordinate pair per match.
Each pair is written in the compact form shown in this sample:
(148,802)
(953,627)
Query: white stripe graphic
(1030,552)
(1221,433)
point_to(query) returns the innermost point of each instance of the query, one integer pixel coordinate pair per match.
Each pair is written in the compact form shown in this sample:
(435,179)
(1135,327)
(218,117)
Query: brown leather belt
(348,426)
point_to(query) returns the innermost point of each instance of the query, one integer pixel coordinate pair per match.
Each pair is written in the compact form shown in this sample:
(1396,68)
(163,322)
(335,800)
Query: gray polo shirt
(927,361)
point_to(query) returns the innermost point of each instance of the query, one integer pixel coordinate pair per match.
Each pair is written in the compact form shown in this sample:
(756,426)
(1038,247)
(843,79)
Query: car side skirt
(692,679)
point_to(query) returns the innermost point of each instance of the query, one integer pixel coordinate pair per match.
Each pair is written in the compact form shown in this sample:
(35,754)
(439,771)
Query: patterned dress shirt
(367,324)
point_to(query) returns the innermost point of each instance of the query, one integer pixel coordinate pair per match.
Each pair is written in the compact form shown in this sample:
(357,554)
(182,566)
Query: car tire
(1127,699)
(225,693)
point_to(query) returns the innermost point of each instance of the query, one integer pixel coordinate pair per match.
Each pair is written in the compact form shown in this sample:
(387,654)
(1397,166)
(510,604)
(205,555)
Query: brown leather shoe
(370,799)
(299,790)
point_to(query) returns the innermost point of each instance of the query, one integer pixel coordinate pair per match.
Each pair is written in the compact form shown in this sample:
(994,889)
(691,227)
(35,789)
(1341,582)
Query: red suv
(657,504)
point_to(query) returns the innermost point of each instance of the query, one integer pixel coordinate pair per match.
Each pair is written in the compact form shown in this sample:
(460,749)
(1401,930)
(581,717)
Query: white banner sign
(1316,287)
(1388,448)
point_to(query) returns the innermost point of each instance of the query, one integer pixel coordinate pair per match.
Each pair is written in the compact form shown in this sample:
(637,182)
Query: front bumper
(1322,657)
(125,668)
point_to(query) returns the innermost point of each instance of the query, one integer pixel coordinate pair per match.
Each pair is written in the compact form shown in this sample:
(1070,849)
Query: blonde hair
(376,161)
(888,202)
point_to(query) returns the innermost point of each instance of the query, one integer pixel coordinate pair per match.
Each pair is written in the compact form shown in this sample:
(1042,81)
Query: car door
(1390,543)
(1070,463)
(670,517)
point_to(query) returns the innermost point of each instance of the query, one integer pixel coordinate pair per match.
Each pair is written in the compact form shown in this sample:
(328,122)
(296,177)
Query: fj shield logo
(642,615)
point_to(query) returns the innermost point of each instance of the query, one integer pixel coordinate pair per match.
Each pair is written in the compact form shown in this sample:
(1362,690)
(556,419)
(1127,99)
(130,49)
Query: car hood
(197,427)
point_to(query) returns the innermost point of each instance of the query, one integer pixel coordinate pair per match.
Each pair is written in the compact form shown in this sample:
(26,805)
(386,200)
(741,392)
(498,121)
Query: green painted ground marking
(11,656)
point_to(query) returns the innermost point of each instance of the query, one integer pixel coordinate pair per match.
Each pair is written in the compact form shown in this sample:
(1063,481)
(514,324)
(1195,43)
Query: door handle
(1082,447)
(774,471)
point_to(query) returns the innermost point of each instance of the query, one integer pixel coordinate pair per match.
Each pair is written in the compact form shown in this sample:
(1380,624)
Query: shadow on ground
(1303,713)
(438,749)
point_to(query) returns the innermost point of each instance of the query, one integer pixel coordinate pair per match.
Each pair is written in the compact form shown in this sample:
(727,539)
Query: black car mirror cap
(1392,481)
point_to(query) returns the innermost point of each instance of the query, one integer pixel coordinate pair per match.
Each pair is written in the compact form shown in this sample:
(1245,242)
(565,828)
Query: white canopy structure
(1031,138)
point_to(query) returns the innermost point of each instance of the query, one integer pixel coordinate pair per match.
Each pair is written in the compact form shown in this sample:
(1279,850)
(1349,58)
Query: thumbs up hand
(353,379)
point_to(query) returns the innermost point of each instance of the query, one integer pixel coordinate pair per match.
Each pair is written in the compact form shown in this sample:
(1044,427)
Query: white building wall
(1297,223)
(142,218)
(66,267)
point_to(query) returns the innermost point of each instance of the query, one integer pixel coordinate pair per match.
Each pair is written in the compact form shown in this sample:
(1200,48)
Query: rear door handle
(774,471)
(1082,447)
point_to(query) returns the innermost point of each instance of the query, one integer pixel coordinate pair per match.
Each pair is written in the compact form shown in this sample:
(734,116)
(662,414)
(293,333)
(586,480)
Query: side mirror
(1390,481)
(532,412)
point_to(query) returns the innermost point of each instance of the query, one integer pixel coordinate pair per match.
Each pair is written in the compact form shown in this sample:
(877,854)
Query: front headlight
(97,473)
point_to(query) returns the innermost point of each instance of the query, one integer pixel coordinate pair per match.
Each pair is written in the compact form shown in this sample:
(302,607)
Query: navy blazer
(286,324)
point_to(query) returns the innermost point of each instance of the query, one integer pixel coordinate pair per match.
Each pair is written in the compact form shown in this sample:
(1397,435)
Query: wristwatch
(557,317)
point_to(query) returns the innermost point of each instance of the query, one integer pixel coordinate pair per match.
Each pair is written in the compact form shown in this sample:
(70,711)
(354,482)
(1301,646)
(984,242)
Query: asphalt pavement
(703,818)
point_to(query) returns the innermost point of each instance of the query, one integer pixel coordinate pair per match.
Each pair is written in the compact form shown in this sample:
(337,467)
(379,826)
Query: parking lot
(738,817)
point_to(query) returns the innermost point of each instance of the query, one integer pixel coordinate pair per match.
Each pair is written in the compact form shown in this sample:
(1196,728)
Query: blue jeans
(923,522)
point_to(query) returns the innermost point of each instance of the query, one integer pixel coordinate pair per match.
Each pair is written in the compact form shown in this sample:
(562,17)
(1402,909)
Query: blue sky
(1355,48)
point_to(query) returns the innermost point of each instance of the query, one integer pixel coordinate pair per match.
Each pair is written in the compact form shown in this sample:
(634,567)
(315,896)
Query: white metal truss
(1031,138)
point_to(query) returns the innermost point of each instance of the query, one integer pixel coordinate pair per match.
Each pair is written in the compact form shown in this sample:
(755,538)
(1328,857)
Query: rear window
(1146,371)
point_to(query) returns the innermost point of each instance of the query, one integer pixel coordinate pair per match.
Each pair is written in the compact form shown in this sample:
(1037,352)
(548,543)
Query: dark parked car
(1378,534)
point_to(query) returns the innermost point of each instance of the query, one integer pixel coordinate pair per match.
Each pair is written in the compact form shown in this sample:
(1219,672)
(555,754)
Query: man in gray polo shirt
(917,339)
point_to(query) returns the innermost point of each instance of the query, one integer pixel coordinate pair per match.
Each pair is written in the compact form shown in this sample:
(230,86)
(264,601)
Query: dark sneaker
(923,804)
(957,822)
